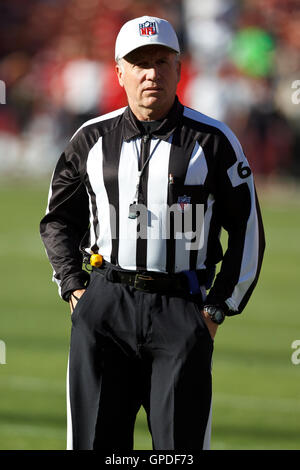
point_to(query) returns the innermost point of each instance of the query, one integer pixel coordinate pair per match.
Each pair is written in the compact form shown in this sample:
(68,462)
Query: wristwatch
(215,312)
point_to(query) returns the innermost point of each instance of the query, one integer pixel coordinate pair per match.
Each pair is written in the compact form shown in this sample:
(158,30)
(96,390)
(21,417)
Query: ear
(119,72)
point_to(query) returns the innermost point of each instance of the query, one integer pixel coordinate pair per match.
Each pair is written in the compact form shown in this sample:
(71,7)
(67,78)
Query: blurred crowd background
(240,59)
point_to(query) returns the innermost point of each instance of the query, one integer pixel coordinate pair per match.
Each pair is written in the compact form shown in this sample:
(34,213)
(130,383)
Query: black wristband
(67,296)
(73,295)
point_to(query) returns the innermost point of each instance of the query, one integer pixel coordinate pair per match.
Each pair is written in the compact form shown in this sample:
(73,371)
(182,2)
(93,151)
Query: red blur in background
(239,63)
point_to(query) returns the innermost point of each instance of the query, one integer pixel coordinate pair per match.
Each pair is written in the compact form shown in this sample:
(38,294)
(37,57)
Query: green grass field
(256,400)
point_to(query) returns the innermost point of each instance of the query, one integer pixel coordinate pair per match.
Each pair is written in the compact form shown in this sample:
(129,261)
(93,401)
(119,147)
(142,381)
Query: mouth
(153,89)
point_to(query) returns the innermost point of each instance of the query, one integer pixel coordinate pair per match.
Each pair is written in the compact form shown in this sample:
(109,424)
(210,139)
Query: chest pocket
(187,205)
(185,195)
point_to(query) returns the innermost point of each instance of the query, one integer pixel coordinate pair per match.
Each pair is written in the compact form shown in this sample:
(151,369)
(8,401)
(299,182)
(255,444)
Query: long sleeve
(65,223)
(239,214)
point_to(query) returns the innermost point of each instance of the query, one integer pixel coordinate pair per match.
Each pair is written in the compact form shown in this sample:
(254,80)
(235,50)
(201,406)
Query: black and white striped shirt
(195,161)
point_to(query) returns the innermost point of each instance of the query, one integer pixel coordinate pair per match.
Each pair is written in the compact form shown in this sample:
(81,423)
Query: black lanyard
(133,212)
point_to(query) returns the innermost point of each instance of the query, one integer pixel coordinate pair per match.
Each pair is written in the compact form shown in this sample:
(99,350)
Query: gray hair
(120,64)
(120,61)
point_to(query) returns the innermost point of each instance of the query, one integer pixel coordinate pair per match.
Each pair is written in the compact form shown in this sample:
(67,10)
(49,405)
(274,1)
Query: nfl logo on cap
(145,31)
(148,28)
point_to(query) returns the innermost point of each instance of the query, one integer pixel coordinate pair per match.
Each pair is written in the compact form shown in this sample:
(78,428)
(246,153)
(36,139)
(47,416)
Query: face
(150,76)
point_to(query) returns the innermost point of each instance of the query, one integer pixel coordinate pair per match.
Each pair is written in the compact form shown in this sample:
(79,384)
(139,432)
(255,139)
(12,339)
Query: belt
(152,283)
(149,281)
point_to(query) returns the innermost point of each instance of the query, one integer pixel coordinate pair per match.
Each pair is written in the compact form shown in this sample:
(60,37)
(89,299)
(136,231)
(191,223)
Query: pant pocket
(201,319)
(82,299)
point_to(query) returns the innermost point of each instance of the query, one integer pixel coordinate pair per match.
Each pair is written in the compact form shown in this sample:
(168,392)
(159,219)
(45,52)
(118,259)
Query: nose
(152,72)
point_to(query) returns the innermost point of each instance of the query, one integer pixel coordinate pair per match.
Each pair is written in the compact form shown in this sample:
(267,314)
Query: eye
(161,61)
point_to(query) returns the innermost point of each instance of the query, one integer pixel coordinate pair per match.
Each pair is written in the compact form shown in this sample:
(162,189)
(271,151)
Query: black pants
(130,349)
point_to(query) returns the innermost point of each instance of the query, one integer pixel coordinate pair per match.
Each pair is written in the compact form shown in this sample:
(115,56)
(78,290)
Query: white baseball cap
(143,31)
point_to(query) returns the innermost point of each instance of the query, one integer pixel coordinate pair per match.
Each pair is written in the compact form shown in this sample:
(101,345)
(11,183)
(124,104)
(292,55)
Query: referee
(142,194)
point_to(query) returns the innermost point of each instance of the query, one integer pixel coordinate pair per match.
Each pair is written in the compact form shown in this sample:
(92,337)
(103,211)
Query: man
(148,187)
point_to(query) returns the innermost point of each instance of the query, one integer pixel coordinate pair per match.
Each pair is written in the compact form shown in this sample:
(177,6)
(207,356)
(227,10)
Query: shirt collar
(165,129)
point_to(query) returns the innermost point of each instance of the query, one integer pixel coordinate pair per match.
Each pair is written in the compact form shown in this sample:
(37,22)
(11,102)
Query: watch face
(218,316)
(215,314)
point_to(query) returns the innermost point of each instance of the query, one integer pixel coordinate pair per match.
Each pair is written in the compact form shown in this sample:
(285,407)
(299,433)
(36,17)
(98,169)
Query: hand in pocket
(75,296)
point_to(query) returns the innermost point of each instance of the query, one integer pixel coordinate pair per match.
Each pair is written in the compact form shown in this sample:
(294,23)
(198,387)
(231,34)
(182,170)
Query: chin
(153,102)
